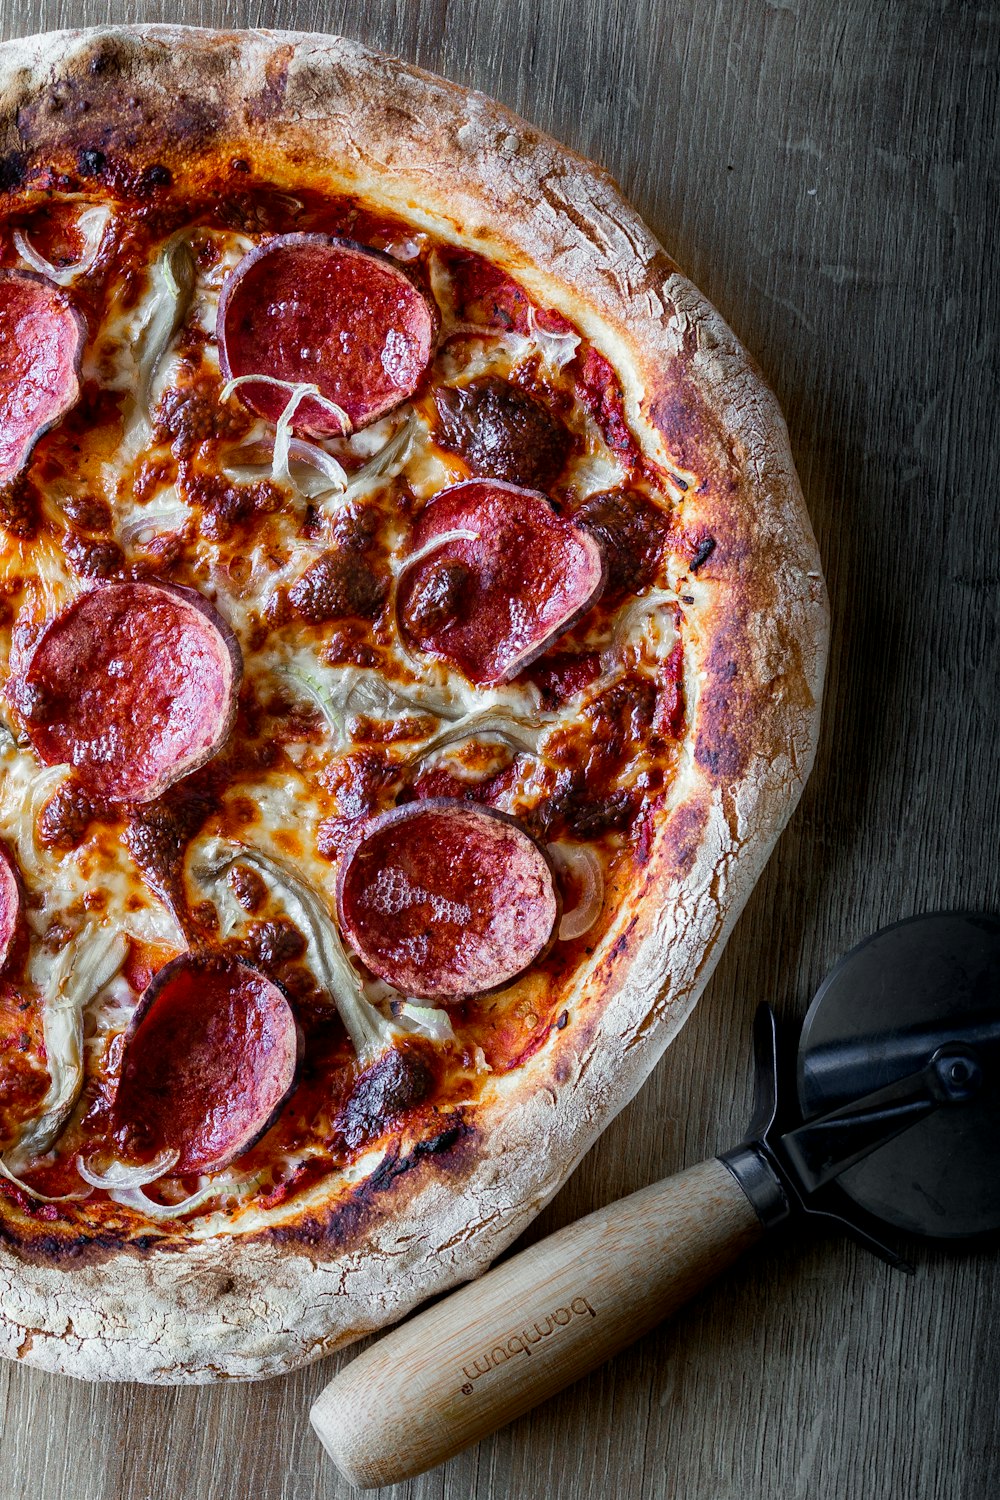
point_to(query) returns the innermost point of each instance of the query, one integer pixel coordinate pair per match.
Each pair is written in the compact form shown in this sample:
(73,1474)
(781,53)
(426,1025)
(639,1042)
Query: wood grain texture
(828,175)
(532,1325)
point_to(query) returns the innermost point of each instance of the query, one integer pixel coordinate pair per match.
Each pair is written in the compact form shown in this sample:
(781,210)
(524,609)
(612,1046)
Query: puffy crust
(313,109)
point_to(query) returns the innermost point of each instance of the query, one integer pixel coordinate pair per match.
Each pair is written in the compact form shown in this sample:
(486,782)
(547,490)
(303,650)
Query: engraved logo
(521,1341)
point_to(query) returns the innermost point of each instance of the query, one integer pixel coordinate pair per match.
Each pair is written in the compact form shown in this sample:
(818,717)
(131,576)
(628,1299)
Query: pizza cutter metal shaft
(531,1326)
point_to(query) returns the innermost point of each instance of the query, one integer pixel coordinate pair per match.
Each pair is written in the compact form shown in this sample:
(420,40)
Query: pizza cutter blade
(886,1114)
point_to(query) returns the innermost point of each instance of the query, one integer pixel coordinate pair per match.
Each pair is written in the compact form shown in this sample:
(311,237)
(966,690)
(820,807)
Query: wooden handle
(531,1326)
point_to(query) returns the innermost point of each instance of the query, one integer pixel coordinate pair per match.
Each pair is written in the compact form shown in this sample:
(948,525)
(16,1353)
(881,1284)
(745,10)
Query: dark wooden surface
(828,174)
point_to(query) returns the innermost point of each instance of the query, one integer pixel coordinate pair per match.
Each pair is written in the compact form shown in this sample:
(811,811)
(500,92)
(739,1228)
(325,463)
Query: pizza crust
(308,108)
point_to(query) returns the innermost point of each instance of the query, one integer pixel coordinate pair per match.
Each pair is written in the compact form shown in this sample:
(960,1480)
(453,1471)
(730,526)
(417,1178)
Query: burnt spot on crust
(13,167)
(718,749)
(450,1152)
(682,836)
(158,176)
(733,701)
(90,162)
(75,1245)
(703,552)
(632,532)
(95,110)
(339,585)
(270,101)
(502,432)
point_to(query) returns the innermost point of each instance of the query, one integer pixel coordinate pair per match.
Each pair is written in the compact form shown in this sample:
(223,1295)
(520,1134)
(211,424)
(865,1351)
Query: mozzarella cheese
(155,348)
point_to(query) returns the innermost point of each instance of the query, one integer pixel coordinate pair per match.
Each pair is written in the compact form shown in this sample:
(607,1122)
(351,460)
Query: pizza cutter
(890,1116)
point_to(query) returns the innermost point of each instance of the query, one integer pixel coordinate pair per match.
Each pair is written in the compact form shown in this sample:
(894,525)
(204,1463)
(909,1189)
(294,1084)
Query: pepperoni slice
(10,902)
(41,340)
(445,899)
(309,307)
(210,1057)
(135,685)
(494,600)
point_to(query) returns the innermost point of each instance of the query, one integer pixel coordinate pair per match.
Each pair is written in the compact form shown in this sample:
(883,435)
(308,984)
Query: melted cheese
(154,346)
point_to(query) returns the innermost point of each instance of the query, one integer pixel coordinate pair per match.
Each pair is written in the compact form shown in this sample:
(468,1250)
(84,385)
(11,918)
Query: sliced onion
(488,721)
(435,542)
(393,452)
(422,698)
(39,793)
(557,349)
(426,1020)
(635,619)
(286,201)
(42,1197)
(370,1032)
(286,446)
(323,700)
(297,388)
(118,1174)
(80,970)
(135,1198)
(154,520)
(280,471)
(338,485)
(356,692)
(92,223)
(330,476)
(316,457)
(583,864)
(172,284)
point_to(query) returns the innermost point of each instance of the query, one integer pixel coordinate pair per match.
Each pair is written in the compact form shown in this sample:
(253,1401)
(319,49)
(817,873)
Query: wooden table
(827,173)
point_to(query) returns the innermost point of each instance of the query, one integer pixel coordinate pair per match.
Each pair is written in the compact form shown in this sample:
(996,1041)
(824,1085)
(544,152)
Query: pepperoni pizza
(411,640)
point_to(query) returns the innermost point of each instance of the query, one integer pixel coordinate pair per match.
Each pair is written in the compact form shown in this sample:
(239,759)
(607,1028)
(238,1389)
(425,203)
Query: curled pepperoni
(502,432)
(443,898)
(11,896)
(210,1057)
(633,533)
(134,684)
(41,340)
(493,600)
(312,308)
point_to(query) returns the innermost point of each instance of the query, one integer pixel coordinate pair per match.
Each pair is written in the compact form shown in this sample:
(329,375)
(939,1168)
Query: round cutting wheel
(879,1017)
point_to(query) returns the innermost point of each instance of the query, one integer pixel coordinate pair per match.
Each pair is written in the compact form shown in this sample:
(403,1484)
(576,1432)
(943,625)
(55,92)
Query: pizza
(411,646)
